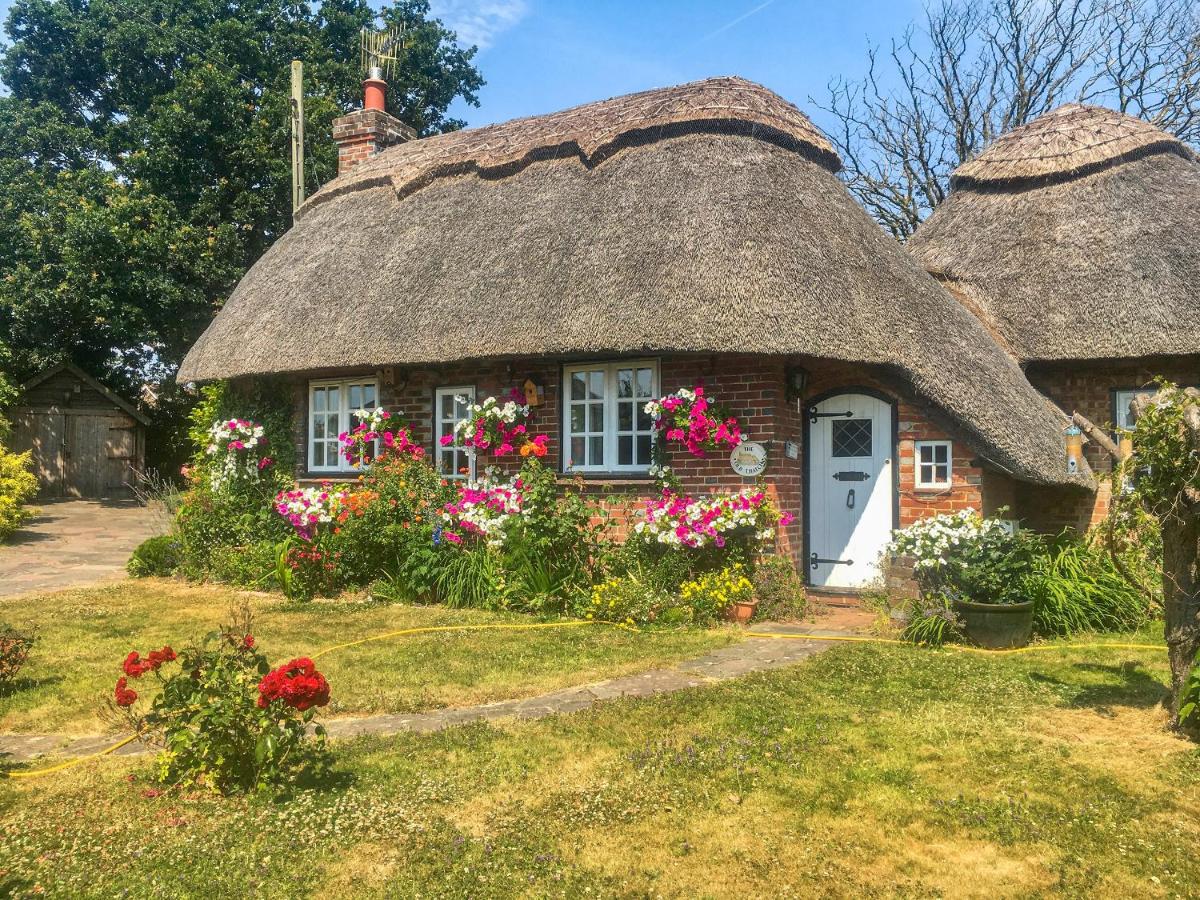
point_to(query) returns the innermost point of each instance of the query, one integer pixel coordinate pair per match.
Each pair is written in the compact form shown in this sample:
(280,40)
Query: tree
(941,93)
(1165,468)
(144,157)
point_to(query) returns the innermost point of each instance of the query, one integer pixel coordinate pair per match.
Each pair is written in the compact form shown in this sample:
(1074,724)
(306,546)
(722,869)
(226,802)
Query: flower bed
(483,509)
(708,521)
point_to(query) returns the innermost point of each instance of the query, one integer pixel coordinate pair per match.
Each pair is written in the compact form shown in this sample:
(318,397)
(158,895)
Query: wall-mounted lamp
(796,381)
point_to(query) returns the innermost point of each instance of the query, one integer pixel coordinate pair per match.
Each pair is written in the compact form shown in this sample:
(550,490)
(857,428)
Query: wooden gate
(79,455)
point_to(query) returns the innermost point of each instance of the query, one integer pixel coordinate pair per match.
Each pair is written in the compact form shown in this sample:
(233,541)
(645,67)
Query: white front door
(850,490)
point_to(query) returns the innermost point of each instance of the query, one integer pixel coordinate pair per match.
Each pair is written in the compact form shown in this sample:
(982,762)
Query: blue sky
(542,55)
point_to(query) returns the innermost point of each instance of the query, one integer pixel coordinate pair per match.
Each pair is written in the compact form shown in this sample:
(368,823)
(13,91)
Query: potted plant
(980,568)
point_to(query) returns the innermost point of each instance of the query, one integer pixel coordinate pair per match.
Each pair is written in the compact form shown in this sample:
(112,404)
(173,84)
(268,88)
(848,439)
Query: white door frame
(890,471)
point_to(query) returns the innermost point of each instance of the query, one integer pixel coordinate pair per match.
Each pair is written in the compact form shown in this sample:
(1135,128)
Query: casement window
(450,407)
(1122,420)
(331,404)
(605,425)
(934,460)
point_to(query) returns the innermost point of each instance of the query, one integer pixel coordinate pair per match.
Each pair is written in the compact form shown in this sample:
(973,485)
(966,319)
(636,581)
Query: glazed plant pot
(741,611)
(996,626)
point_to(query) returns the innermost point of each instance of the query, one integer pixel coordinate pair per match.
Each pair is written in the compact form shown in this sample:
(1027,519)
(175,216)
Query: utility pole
(297,135)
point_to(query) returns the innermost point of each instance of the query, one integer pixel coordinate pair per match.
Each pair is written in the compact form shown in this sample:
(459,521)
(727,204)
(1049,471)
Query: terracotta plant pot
(996,626)
(741,611)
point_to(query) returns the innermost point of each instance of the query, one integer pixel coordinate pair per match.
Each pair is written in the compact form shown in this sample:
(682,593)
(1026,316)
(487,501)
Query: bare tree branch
(975,70)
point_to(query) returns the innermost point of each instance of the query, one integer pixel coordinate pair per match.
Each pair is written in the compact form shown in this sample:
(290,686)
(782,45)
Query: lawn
(84,635)
(869,769)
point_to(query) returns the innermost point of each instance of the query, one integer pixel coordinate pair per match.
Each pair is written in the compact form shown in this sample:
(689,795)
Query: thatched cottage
(1076,241)
(622,250)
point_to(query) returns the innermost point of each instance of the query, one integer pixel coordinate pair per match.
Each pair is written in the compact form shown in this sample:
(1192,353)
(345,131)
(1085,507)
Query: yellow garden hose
(33,773)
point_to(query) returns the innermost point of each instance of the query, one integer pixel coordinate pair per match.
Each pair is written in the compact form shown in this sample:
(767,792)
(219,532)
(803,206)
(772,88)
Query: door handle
(850,499)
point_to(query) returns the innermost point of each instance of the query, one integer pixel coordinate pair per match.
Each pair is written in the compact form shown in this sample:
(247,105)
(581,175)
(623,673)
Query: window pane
(644,422)
(926,473)
(645,383)
(318,453)
(318,427)
(578,385)
(643,450)
(596,451)
(923,453)
(625,451)
(941,453)
(624,382)
(368,392)
(447,406)
(355,396)
(334,396)
(577,413)
(577,455)
(942,473)
(318,399)
(624,417)
(596,417)
(596,385)
(851,437)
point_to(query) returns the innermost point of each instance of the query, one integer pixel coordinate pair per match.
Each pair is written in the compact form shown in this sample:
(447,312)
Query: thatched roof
(1076,236)
(707,234)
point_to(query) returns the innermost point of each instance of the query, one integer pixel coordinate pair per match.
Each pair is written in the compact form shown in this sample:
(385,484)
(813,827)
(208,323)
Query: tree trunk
(1181,598)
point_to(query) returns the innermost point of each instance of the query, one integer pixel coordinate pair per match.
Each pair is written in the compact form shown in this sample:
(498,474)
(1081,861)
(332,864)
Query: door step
(846,597)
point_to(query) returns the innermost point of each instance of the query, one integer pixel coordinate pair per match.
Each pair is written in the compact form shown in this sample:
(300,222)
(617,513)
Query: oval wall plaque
(748,459)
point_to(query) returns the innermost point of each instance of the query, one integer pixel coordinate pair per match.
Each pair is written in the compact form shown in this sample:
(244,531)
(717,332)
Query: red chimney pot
(373,89)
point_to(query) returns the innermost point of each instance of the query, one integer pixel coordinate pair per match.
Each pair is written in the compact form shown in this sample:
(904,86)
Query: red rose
(298,684)
(123,695)
(248,642)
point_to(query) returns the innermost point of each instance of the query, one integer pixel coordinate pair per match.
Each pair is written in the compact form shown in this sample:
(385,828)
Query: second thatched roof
(702,218)
(1076,236)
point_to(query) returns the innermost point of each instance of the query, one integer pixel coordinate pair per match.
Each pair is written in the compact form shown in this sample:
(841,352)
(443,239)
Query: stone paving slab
(73,543)
(743,658)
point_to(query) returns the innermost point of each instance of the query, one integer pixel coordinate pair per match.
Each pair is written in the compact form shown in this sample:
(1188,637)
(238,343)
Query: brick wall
(1088,387)
(754,389)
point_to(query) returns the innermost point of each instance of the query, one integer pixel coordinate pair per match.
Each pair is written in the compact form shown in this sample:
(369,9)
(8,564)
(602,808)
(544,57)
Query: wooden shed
(86,441)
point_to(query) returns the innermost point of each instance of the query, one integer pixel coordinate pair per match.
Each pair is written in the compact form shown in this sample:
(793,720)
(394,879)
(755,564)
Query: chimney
(367,131)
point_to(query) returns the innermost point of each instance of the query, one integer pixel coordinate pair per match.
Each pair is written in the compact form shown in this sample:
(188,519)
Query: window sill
(607,479)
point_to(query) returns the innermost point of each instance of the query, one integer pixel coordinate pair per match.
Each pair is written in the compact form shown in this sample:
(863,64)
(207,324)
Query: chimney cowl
(373,93)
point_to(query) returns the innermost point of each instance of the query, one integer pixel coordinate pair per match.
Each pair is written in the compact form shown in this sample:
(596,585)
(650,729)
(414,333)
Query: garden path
(72,543)
(742,658)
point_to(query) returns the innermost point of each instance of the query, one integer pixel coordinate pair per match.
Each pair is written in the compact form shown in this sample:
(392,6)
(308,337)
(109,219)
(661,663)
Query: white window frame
(609,432)
(345,423)
(440,425)
(933,446)
(1121,400)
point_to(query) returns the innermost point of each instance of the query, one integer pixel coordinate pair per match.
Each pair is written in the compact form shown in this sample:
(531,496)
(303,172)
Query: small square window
(934,461)
(851,437)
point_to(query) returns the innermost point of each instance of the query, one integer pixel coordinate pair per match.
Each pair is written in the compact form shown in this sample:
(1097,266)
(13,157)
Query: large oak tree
(144,158)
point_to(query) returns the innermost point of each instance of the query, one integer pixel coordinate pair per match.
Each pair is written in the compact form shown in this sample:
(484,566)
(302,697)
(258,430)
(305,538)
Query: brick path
(71,543)
(743,658)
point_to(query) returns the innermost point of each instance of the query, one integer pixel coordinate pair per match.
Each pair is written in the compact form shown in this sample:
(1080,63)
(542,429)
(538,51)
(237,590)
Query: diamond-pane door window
(851,437)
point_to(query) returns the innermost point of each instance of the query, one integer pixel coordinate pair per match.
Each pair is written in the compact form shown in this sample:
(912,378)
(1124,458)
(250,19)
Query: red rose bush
(224,718)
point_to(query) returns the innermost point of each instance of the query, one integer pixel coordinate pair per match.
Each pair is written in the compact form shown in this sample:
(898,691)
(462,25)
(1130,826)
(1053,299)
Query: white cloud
(480,22)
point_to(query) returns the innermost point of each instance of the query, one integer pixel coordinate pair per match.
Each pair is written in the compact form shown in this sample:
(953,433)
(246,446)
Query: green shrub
(1076,587)
(629,600)
(929,619)
(225,720)
(210,525)
(17,487)
(473,578)
(779,589)
(14,651)
(156,557)
(250,566)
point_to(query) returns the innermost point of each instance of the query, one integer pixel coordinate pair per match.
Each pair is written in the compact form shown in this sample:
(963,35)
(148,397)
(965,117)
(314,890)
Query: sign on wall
(748,459)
